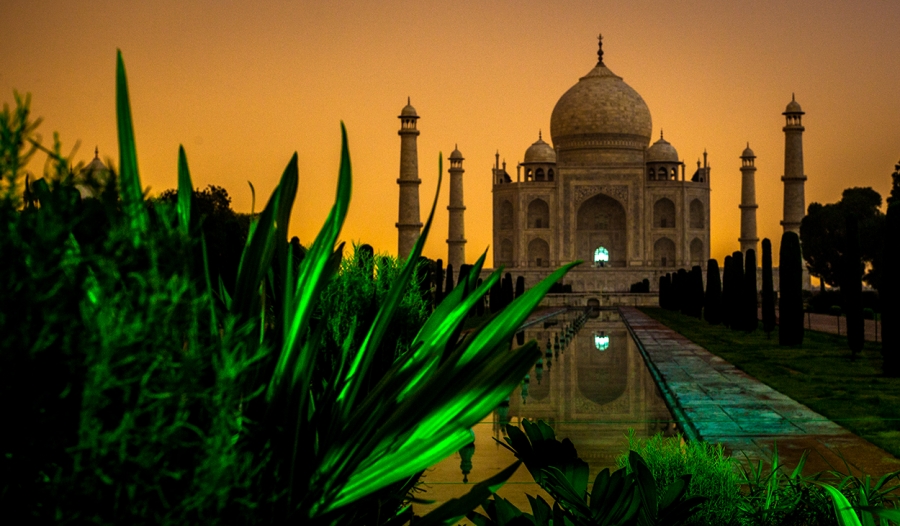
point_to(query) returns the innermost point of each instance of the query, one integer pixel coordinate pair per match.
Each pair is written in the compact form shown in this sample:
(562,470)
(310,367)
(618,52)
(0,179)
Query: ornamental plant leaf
(129,179)
(185,188)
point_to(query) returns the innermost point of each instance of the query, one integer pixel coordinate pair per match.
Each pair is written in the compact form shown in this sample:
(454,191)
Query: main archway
(601,221)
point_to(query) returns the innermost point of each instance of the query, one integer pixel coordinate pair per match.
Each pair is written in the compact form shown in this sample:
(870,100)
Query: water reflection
(593,398)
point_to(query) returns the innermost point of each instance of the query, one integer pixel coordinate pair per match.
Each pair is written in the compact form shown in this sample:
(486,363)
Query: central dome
(601,110)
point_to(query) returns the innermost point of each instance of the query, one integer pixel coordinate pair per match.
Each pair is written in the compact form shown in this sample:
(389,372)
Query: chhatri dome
(662,152)
(600,108)
(408,110)
(540,152)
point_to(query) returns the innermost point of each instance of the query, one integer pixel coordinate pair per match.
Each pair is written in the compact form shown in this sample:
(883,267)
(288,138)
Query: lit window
(601,257)
(601,341)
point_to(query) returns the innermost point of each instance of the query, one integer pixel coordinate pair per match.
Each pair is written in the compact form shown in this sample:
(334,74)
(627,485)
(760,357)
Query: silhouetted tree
(464,271)
(520,286)
(851,287)
(751,293)
(790,297)
(712,301)
(507,289)
(646,283)
(895,186)
(664,284)
(727,291)
(737,294)
(448,288)
(479,305)
(682,291)
(695,292)
(890,288)
(768,290)
(496,297)
(823,234)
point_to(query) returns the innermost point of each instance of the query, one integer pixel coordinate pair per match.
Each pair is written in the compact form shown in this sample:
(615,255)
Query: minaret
(456,239)
(409,226)
(748,204)
(794,178)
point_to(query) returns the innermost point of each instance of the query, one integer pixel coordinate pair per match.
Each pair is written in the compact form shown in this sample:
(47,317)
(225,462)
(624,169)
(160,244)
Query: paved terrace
(724,405)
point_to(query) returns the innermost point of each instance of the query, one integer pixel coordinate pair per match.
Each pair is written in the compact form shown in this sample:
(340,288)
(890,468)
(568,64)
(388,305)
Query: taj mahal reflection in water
(592,390)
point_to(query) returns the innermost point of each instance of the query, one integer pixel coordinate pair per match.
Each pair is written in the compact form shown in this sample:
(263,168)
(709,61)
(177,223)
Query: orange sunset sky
(245,84)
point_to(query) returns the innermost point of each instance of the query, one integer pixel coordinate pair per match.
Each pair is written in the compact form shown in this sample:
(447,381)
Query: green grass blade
(129,179)
(845,514)
(214,324)
(185,189)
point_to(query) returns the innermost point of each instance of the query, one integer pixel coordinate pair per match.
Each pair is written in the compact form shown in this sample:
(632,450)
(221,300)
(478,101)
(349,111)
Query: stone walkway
(725,405)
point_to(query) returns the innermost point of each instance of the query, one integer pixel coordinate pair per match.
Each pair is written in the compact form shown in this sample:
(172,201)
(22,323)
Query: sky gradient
(243,85)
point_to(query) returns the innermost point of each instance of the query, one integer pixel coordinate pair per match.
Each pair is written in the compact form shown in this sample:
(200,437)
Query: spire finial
(748,144)
(660,134)
(600,50)
(792,97)
(96,152)
(456,146)
(539,136)
(407,101)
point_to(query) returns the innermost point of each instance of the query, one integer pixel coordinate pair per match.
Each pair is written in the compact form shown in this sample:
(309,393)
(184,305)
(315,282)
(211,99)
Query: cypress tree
(790,301)
(695,280)
(645,284)
(889,294)
(768,290)
(683,291)
(727,291)
(851,287)
(463,274)
(438,281)
(663,281)
(712,301)
(672,298)
(520,286)
(507,289)
(737,292)
(449,287)
(496,297)
(751,304)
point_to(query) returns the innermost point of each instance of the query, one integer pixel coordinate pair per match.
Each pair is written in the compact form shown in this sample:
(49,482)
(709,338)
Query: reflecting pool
(592,391)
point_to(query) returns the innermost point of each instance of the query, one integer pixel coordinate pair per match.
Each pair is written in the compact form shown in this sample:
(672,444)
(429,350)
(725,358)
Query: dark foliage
(479,306)
(439,281)
(736,297)
(695,292)
(507,289)
(683,291)
(496,297)
(823,234)
(790,301)
(664,284)
(712,301)
(727,291)
(520,286)
(750,294)
(851,287)
(768,289)
(448,288)
(890,292)
(640,286)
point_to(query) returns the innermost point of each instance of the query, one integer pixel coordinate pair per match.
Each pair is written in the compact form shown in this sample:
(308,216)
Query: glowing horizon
(243,88)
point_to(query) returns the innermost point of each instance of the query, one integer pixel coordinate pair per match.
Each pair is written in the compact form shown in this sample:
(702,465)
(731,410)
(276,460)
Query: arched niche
(698,217)
(664,213)
(664,252)
(601,221)
(697,252)
(538,253)
(506,251)
(538,214)
(506,215)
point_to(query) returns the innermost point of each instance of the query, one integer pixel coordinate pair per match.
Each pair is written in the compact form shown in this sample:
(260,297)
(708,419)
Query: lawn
(821,374)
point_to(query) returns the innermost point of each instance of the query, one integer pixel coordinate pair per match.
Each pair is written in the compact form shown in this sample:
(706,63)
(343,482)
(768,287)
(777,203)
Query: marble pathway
(725,405)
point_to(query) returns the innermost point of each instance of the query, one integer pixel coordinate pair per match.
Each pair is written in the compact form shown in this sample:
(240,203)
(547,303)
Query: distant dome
(601,107)
(793,107)
(456,154)
(662,152)
(540,152)
(748,152)
(408,110)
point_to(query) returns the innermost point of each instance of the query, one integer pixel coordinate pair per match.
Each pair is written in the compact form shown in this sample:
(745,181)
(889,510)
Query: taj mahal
(598,192)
